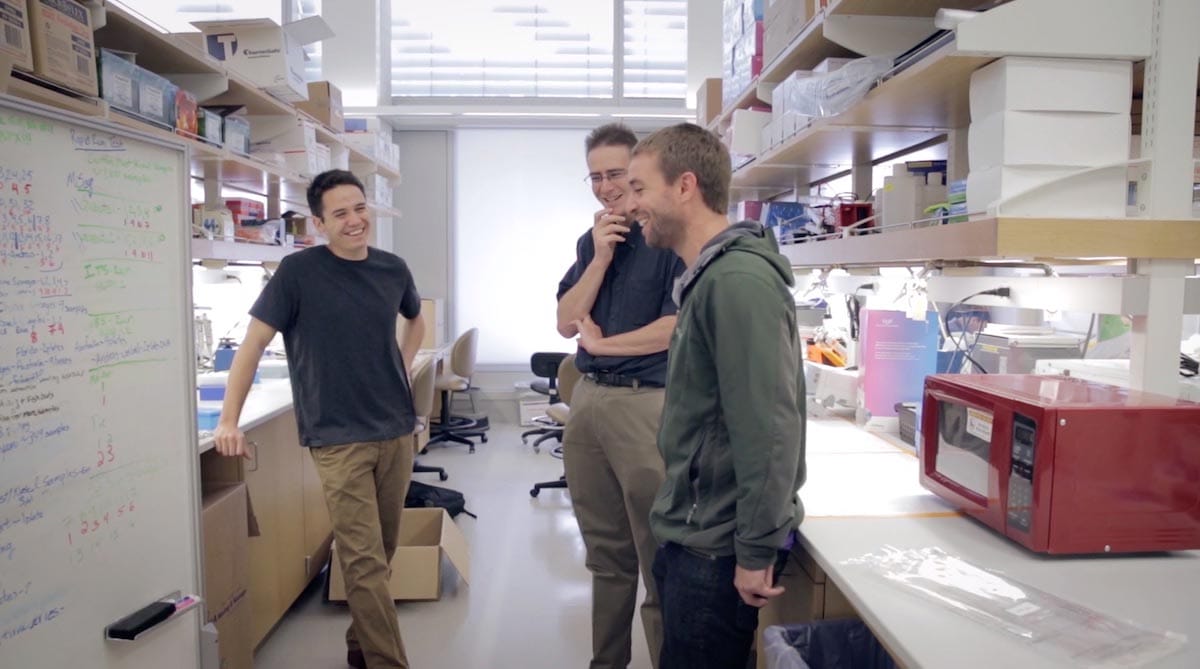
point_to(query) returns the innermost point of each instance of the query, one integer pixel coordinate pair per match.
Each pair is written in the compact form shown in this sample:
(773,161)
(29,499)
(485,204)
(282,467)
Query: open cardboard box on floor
(425,536)
(226,522)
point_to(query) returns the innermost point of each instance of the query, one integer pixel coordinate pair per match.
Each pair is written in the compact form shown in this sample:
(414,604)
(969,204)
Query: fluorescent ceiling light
(532,114)
(637,115)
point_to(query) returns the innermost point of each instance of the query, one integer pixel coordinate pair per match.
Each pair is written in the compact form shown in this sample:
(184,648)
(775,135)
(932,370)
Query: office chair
(423,389)
(545,366)
(458,429)
(568,376)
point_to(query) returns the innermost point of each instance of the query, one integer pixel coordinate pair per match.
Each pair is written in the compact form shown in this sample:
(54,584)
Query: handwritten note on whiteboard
(97,494)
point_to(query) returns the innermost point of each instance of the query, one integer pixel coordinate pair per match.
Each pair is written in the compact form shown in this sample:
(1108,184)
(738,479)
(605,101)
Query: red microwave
(1062,465)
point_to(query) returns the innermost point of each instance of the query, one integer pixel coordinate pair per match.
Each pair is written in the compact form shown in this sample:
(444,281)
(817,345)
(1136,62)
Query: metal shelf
(156,51)
(210,249)
(921,103)
(1007,238)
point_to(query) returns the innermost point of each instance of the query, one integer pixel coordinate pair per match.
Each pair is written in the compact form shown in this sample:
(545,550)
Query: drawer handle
(253,447)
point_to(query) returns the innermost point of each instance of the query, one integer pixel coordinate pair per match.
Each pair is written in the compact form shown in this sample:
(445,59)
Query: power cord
(1003,291)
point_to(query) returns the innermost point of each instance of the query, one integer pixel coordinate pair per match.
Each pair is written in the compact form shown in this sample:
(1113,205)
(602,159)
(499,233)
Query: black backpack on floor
(423,495)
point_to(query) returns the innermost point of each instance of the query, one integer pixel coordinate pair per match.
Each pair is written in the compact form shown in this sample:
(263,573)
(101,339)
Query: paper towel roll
(948,19)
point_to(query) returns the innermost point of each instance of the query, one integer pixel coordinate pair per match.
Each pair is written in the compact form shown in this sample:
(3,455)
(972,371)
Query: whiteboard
(98,493)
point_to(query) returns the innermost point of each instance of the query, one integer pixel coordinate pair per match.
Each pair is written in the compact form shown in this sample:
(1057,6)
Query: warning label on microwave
(979,424)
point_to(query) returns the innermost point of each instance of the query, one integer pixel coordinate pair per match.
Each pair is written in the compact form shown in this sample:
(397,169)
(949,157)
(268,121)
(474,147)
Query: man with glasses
(616,299)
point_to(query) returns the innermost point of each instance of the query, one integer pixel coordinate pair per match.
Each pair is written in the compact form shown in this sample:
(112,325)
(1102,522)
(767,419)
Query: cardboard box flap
(233,24)
(454,547)
(309,30)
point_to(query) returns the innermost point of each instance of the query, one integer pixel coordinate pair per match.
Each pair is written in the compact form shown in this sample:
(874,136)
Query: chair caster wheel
(483,438)
(534,492)
(537,449)
(471,450)
(424,451)
(442,476)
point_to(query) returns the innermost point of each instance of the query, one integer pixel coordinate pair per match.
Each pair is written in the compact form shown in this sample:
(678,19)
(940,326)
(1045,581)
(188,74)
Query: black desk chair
(545,367)
(568,376)
(423,391)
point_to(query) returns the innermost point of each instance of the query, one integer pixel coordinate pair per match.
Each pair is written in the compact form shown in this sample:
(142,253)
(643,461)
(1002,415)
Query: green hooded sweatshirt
(732,433)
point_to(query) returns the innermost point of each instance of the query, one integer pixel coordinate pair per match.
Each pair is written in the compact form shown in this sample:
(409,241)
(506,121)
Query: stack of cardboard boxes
(742,47)
(783,21)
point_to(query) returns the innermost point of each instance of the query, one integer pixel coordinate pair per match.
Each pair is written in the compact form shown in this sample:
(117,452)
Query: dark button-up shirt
(636,292)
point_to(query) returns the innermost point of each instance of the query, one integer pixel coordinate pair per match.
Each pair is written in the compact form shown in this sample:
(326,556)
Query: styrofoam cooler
(1100,194)
(1051,84)
(1014,138)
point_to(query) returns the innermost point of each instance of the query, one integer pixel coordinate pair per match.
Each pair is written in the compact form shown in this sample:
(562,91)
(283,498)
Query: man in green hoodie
(732,435)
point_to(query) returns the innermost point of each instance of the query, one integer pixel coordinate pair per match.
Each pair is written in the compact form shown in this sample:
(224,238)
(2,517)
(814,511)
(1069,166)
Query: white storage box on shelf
(1051,84)
(1035,121)
(905,196)
(1018,138)
(273,133)
(745,133)
(1097,194)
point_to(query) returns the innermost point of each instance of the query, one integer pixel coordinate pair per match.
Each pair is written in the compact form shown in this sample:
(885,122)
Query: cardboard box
(244,210)
(746,131)
(1019,138)
(227,571)
(15,41)
(64,50)
(531,406)
(325,104)
(213,223)
(708,101)
(426,536)
(271,56)
(1051,84)
(276,134)
(1099,194)
(117,75)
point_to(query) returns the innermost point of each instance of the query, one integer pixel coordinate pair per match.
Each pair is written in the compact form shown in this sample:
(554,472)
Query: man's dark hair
(327,181)
(611,134)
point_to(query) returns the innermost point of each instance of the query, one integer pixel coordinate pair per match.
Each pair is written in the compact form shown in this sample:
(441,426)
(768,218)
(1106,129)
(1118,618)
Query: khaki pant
(365,485)
(614,470)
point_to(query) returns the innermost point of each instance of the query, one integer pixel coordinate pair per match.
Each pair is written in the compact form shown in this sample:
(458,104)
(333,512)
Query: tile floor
(529,598)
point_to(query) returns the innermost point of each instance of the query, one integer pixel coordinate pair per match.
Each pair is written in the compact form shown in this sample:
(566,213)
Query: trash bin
(824,644)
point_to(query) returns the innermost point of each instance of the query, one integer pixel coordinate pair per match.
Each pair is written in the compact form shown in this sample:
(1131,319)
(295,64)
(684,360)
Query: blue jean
(706,625)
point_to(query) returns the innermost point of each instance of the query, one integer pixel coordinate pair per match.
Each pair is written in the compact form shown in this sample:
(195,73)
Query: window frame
(618,98)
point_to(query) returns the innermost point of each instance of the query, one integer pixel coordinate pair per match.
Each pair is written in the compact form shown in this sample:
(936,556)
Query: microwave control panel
(1020,480)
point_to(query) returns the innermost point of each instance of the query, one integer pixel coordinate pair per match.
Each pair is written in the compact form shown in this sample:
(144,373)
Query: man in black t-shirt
(617,298)
(336,306)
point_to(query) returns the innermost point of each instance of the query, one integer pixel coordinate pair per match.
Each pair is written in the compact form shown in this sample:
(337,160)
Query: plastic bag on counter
(1059,628)
(830,94)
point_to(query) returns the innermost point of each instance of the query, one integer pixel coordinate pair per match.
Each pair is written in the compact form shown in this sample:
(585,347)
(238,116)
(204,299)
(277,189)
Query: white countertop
(272,397)
(267,399)
(862,494)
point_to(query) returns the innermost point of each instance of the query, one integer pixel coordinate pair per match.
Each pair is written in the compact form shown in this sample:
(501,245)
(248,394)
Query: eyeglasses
(597,178)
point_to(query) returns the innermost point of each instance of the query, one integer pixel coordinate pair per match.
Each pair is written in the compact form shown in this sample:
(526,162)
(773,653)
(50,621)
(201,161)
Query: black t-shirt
(636,292)
(338,319)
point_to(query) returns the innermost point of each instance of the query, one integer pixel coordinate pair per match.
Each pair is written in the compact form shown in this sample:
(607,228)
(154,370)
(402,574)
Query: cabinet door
(318,529)
(293,576)
(262,480)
